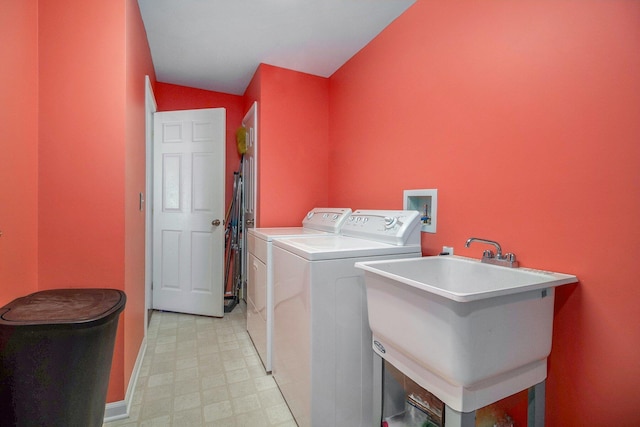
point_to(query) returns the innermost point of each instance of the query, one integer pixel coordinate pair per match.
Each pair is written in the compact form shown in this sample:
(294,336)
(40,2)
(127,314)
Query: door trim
(150,108)
(250,193)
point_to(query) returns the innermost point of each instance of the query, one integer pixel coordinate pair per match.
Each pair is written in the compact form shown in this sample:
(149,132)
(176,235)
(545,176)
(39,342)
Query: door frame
(150,108)
(250,118)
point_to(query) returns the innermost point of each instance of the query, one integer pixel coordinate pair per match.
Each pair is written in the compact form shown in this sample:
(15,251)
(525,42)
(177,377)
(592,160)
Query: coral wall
(524,116)
(91,152)
(293,163)
(138,65)
(82,111)
(19,147)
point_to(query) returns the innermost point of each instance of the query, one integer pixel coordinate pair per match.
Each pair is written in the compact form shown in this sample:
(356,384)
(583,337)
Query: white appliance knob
(335,216)
(310,215)
(390,221)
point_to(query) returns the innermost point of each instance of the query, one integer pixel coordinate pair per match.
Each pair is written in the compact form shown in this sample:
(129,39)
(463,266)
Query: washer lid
(340,247)
(56,306)
(269,234)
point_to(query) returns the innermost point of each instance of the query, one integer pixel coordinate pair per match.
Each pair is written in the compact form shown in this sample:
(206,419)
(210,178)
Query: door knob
(250,221)
(215,222)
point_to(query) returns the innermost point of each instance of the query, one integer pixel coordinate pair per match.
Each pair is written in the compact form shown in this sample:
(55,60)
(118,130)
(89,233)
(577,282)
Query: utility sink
(471,333)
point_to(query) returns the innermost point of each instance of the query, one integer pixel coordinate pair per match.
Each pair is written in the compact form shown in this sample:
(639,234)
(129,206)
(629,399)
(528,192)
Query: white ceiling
(218,44)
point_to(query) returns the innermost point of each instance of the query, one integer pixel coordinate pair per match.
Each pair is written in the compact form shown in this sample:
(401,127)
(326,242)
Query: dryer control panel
(326,219)
(396,227)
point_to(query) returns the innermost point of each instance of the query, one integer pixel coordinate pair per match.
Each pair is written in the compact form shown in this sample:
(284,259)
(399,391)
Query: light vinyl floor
(203,371)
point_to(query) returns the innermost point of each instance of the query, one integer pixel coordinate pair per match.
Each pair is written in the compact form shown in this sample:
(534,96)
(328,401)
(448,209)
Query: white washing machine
(323,360)
(318,222)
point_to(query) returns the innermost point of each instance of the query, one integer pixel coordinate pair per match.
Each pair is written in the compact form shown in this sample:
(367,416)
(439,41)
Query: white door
(249,181)
(188,236)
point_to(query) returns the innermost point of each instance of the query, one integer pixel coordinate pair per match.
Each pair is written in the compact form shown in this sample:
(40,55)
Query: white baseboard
(116,411)
(120,410)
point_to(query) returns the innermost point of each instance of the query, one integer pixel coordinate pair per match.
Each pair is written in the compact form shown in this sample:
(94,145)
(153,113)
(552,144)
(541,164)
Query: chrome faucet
(507,260)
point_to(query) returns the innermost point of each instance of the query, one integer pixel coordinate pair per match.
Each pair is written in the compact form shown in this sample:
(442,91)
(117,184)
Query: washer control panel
(398,227)
(326,219)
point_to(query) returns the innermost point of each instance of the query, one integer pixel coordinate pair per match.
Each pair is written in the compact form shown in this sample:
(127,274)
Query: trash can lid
(63,306)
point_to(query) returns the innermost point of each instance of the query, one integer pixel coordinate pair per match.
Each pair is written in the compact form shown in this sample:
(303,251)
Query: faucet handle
(488,253)
(511,257)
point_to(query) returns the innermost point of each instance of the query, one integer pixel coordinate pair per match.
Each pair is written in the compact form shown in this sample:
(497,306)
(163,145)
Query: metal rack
(233,246)
(389,396)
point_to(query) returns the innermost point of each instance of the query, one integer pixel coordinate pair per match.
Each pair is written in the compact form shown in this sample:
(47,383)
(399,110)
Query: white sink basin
(471,333)
(464,279)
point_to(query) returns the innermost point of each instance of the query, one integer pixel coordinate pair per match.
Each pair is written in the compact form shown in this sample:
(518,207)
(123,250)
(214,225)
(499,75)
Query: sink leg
(378,364)
(536,405)
(454,418)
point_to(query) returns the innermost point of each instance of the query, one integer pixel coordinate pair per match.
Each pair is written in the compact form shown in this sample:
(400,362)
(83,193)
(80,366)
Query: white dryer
(323,360)
(317,222)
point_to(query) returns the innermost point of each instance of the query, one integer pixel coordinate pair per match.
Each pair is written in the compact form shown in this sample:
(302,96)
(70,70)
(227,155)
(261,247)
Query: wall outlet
(447,249)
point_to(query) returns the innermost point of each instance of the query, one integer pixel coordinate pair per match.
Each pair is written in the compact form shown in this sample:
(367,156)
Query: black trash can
(56,349)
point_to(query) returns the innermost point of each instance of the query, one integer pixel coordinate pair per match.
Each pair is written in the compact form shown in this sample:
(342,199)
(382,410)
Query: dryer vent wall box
(425,202)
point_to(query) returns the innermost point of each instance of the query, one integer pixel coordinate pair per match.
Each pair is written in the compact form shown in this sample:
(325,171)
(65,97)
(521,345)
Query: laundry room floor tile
(203,371)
